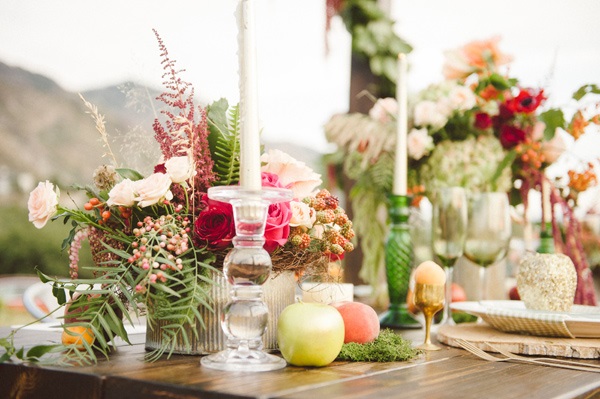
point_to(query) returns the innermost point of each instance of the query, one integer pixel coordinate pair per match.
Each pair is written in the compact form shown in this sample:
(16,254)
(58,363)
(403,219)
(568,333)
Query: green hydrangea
(471,163)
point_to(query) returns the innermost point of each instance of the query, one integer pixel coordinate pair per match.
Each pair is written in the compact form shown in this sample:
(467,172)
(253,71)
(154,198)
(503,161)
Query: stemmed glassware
(449,230)
(488,232)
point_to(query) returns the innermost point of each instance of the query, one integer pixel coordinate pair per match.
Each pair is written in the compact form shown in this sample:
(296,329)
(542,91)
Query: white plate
(512,316)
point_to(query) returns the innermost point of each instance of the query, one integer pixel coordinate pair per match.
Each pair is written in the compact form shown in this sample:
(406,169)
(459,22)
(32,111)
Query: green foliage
(387,347)
(553,118)
(369,195)
(373,38)
(23,248)
(586,89)
(224,141)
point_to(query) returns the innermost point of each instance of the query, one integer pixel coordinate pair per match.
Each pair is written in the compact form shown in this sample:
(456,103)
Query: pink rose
(214,226)
(293,174)
(42,204)
(277,229)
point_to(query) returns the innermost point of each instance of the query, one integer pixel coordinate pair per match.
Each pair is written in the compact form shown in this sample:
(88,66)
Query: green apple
(310,334)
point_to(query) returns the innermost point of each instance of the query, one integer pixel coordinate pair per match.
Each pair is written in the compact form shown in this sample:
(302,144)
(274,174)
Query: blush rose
(152,189)
(42,204)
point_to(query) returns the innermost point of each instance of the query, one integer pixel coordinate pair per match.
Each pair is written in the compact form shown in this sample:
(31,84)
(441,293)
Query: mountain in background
(47,132)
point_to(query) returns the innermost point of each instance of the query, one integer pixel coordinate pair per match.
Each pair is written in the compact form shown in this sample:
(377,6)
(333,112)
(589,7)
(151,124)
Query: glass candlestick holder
(246,267)
(399,259)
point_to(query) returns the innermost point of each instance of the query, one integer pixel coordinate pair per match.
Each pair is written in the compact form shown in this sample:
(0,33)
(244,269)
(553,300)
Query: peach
(361,322)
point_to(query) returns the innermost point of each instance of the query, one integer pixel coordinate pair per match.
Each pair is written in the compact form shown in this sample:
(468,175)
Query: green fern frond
(224,139)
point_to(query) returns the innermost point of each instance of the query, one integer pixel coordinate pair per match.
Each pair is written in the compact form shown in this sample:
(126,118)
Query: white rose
(429,113)
(152,189)
(461,98)
(419,143)
(122,194)
(179,168)
(384,109)
(42,204)
(302,215)
(292,173)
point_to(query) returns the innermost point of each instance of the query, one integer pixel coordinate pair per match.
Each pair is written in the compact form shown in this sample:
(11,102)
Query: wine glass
(448,233)
(488,232)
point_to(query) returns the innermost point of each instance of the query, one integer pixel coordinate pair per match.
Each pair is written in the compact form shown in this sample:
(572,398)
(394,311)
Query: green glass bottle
(546,240)
(399,262)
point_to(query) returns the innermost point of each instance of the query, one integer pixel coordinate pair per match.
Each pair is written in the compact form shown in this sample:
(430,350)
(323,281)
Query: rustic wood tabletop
(448,373)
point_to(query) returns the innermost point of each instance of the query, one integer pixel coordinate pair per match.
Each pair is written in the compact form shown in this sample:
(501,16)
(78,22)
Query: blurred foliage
(23,248)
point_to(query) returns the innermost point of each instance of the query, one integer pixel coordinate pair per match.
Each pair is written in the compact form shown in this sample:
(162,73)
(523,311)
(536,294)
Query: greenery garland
(374,39)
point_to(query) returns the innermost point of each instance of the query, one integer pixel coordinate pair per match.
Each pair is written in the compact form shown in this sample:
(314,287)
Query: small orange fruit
(75,336)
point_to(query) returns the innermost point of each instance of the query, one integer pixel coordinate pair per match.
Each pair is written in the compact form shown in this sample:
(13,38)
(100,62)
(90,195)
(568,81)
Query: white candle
(400,163)
(250,177)
(546,204)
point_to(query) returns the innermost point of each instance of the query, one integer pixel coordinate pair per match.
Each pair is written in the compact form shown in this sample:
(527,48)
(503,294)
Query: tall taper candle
(401,161)
(250,177)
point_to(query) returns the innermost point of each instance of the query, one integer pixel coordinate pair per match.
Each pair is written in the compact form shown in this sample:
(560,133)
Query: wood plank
(482,334)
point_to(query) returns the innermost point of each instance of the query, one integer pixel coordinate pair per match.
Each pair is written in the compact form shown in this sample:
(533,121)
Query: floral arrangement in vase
(156,239)
(480,129)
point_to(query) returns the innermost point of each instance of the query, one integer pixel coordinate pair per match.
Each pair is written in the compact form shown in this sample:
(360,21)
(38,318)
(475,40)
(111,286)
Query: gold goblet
(430,299)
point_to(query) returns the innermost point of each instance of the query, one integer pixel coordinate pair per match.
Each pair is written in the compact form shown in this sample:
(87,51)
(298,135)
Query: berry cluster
(158,246)
(530,153)
(331,231)
(580,182)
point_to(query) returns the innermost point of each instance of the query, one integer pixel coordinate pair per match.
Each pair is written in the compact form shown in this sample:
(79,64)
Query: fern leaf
(226,150)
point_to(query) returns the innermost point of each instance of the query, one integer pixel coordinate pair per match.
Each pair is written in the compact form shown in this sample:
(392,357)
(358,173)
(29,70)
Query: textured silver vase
(279,292)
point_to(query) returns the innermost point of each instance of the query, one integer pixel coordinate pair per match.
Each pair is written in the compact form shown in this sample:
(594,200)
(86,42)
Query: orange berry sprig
(530,153)
(580,182)
(103,212)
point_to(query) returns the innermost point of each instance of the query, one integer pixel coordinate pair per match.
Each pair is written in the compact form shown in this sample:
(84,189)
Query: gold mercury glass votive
(430,299)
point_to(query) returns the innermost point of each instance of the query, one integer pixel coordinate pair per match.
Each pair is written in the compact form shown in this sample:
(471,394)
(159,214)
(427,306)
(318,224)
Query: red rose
(160,168)
(510,136)
(214,226)
(526,101)
(277,229)
(482,121)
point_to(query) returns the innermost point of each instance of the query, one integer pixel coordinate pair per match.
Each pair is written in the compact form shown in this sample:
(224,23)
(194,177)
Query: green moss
(387,347)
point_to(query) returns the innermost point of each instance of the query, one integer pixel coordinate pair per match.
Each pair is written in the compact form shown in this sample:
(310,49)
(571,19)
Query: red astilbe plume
(180,134)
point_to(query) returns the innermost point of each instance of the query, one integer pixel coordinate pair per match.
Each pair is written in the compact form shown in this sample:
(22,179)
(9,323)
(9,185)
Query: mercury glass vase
(246,267)
(399,263)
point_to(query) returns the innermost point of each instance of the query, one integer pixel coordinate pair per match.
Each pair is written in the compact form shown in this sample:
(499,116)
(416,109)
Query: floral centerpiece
(155,239)
(480,129)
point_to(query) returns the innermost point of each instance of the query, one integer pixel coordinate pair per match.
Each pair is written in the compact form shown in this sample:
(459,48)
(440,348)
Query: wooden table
(448,373)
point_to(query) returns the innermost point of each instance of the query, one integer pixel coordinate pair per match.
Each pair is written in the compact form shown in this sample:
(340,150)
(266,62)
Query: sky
(86,45)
